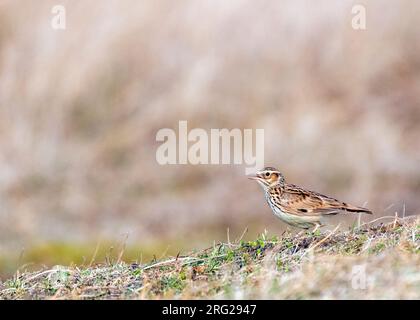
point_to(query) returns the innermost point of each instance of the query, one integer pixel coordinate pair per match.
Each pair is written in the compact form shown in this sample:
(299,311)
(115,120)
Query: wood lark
(296,206)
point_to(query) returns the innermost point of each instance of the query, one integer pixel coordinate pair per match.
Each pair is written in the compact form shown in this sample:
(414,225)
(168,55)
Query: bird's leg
(300,233)
(288,232)
(317,226)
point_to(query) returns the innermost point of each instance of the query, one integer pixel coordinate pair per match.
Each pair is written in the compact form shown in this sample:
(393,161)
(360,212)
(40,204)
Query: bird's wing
(307,203)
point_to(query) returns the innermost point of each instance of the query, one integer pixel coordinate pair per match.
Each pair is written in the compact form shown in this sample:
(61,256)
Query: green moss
(377,248)
(354,246)
(172,283)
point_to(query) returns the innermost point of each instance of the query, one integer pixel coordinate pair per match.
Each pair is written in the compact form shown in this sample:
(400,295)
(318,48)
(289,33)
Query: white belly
(304,222)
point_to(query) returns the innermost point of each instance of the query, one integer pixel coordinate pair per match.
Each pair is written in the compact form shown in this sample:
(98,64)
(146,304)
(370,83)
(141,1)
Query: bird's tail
(351,208)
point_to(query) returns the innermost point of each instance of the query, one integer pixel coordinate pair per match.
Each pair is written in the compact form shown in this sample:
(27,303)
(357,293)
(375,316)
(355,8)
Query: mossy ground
(374,261)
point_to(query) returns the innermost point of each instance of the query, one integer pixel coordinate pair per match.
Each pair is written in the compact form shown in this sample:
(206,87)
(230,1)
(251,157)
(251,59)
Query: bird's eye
(267,174)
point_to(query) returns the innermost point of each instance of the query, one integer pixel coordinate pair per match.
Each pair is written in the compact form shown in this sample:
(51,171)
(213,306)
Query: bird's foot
(316,232)
(299,234)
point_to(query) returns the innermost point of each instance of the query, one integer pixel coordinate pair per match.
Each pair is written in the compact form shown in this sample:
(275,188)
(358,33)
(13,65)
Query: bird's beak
(252,176)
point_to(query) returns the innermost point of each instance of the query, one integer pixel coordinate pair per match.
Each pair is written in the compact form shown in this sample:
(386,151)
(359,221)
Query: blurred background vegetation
(80,108)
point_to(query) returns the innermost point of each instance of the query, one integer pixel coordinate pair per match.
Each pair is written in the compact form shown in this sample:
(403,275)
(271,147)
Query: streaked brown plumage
(297,206)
